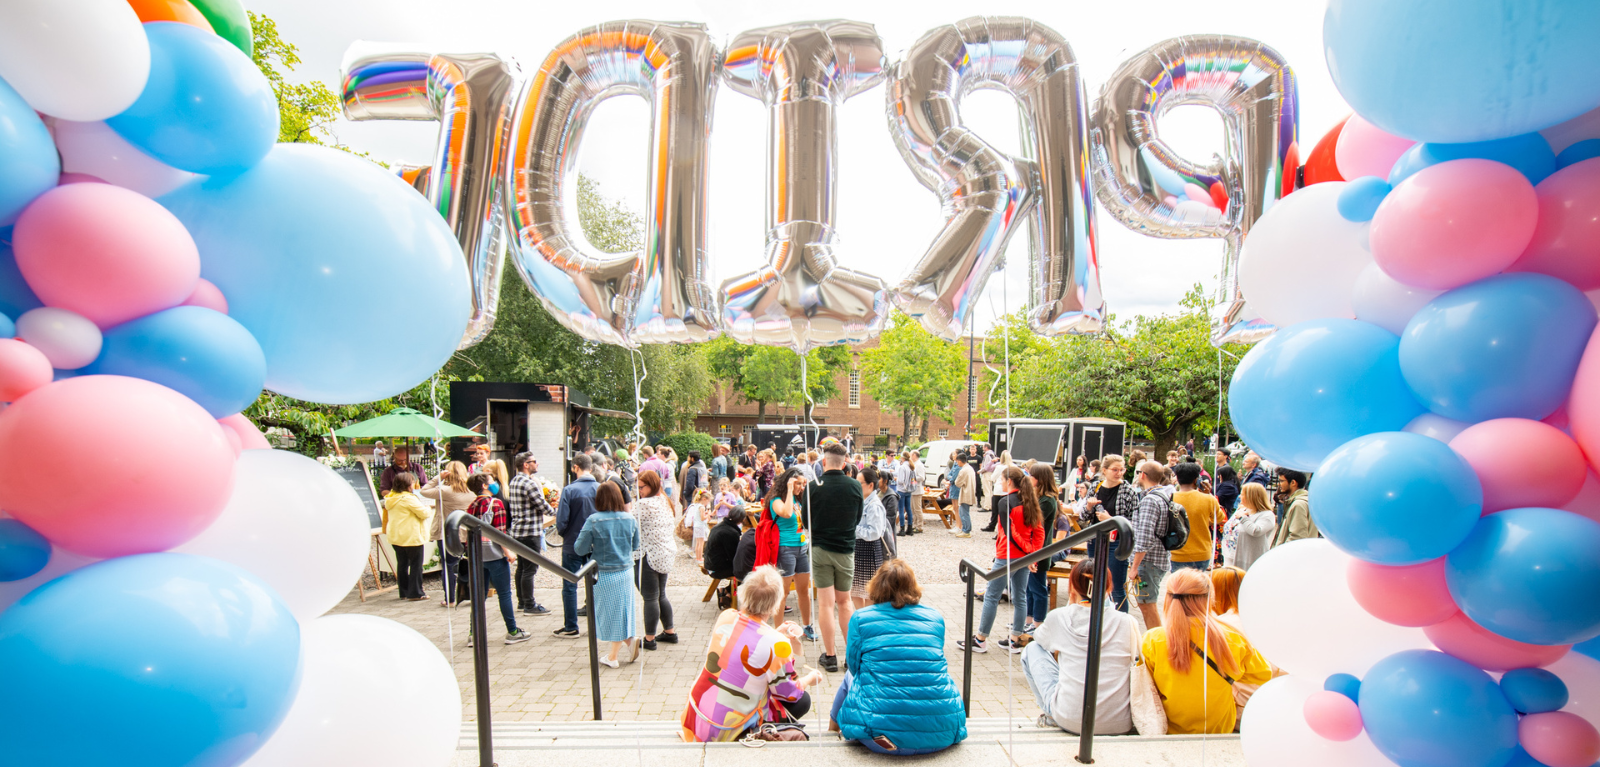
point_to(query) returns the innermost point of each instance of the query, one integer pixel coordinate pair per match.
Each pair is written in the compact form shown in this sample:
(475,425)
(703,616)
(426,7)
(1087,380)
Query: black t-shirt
(1108,498)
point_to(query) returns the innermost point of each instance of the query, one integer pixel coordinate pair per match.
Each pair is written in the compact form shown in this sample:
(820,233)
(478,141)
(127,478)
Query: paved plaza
(547,678)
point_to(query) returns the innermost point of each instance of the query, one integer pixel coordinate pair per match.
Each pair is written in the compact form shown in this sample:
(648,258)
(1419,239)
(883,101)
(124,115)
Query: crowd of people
(825,525)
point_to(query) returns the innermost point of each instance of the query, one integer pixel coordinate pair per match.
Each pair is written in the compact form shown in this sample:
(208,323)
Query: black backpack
(1177,532)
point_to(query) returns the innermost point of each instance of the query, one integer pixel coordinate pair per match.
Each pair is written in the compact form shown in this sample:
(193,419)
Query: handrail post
(966,643)
(594,644)
(480,647)
(1091,671)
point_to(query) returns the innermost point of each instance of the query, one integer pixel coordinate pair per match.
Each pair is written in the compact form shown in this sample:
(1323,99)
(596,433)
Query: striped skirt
(613,607)
(869,557)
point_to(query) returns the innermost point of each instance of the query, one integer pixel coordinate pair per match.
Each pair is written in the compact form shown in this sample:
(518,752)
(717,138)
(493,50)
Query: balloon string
(1016,599)
(637,435)
(805,390)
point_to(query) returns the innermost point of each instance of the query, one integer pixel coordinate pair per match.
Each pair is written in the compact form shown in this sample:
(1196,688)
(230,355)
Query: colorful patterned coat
(749,669)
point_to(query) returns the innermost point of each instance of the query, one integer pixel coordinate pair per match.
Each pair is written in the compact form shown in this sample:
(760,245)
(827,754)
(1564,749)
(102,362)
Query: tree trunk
(905,427)
(924,433)
(761,410)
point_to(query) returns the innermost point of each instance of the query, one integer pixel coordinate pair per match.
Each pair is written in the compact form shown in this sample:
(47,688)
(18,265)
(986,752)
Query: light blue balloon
(15,295)
(174,658)
(1502,347)
(1529,153)
(1522,759)
(312,229)
(29,164)
(23,551)
(1587,149)
(1423,708)
(1316,385)
(1530,575)
(1359,199)
(1344,684)
(8,328)
(206,107)
(1168,179)
(1590,648)
(1463,70)
(1533,690)
(1396,498)
(203,354)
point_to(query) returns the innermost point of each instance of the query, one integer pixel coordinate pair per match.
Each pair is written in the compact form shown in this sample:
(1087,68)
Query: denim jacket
(612,537)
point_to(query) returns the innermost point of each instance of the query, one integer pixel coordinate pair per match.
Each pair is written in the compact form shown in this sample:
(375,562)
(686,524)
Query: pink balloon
(1453,223)
(104,252)
(1587,502)
(1406,595)
(78,178)
(1461,637)
(1498,450)
(22,369)
(1366,150)
(250,437)
(1583,406)
(1559,739)
(1199,194)
(165,475)
(1560,419)
(1566,242)
(1333,716)
(209,296)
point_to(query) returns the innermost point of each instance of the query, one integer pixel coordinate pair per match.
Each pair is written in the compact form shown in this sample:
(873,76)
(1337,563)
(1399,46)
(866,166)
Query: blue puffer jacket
(901,685)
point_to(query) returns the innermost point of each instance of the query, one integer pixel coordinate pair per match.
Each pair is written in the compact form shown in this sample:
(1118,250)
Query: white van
(935,459)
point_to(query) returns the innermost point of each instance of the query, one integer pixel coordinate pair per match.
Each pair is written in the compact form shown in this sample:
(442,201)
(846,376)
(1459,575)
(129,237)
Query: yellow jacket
(406,519)
(1200,700)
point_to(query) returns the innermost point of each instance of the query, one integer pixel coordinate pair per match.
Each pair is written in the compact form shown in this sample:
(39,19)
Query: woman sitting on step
(1055,662)
(898,697)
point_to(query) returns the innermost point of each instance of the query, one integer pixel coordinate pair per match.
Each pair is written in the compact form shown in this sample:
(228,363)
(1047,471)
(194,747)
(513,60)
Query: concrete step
(989,742)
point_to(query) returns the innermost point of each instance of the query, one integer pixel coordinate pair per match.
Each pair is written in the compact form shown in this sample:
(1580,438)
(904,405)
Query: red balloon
(1320,164)
(1219,196)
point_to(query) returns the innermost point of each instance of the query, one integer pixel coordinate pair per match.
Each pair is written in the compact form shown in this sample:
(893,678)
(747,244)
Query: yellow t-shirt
(1204,511)
(1201,700)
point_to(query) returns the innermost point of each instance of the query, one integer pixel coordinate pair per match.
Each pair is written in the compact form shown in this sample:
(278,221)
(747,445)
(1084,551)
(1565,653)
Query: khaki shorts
(832,570)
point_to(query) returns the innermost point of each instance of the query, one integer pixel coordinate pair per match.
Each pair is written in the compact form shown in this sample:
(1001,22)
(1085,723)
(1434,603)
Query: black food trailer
(1057,441)
(549,420)
(780,438)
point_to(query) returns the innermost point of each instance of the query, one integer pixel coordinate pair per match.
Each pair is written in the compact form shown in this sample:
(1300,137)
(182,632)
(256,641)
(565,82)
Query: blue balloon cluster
(1529,153)
(1422,707)
(204,355)
(1396,498)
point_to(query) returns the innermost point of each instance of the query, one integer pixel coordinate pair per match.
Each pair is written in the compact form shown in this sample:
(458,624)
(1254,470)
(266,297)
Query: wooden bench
(946,514)
(711,590)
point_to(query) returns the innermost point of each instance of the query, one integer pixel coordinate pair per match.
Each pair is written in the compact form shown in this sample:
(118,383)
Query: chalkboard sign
(360,478)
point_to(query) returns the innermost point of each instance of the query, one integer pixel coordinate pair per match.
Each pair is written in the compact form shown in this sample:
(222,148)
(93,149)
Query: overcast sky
(886,218)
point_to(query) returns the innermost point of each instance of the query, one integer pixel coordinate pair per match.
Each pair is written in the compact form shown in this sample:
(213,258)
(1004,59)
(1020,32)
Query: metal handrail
(1100,532)
(477,530)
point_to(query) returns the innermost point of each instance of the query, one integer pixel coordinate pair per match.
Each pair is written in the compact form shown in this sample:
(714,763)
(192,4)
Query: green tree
(914,373)
(1159,373)
(771,374)
(305,110)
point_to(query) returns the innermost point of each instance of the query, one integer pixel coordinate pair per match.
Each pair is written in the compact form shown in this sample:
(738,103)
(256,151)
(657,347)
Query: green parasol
(404,422)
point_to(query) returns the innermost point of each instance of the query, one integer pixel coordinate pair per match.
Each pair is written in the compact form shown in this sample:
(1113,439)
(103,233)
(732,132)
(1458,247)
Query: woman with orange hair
(1195,660)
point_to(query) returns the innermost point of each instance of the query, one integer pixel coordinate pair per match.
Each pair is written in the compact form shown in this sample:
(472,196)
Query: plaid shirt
(529,509)
(489,509)
(1149,524)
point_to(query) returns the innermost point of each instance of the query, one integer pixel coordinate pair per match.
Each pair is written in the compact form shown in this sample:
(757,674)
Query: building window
(724,430)
(944,433)
(883,431)
(855,385)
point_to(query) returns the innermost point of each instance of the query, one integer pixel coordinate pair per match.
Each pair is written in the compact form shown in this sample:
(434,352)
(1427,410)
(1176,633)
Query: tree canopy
(305,111)
(914,373)
(770,375)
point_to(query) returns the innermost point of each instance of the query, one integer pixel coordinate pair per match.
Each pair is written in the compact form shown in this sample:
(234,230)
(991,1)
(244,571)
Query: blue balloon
(1522,759)
(1533,690)
(176,659)
(23,551)
(1463,70)
(1360,198)
(1587,149)
(15,295)
(29,164)
(1590,648)
(1530,575)
(1529,153)
(206,107)
(203,354)
(1316,385)
(1423,708)
(1502,347)
(311,228)
(1344,684)
(8,328)
(1396,498)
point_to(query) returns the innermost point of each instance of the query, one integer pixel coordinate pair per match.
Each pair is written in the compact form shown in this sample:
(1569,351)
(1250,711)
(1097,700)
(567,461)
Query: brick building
(727,416)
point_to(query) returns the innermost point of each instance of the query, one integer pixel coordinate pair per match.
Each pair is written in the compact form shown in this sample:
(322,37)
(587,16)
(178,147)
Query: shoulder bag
(1149,713)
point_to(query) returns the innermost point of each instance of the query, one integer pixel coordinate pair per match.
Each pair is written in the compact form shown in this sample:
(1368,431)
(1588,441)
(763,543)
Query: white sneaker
(610,663)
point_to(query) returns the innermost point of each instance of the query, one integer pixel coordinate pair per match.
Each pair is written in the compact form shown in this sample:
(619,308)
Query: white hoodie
(1066,631)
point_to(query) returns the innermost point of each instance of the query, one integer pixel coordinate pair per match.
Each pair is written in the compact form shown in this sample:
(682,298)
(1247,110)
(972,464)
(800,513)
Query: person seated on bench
(722,544)
(898,697)
(1054,662)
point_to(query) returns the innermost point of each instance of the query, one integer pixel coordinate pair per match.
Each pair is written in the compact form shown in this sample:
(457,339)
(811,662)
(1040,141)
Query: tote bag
(1149,714)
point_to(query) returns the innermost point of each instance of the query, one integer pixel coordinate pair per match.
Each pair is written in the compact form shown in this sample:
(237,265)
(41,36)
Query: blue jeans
(966,517)
(905,510)
(1119,578)
(1039,593)
(497,573)
(447,572)
(1019,600)
(569,590)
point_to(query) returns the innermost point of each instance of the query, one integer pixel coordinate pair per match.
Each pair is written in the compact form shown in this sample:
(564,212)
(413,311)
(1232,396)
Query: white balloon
(1436,426)
(75,59)
(1273,731)
(372,691)
(1298,611)
(1582,675)
(1386,302)
(1301,259)
(68,339)
(294,523)
(94,148)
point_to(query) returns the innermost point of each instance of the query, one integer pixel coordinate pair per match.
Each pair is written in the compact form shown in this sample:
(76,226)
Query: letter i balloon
(1449,411)
(162,260)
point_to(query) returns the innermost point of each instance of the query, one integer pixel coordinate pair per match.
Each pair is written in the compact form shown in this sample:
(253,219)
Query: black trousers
(526,569)
(994,512)
(653,587)
(408,570)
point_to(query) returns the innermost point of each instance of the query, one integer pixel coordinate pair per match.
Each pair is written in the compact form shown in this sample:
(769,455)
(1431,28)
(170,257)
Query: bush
(684,441)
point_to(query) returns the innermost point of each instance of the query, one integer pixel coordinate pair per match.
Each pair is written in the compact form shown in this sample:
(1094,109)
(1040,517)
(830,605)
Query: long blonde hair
(1188,603)
(1255,496)
(497,469)
(455,475)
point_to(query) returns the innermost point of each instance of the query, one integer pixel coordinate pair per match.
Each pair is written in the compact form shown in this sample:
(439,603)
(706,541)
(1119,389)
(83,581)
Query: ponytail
(1188,601)
(1031,515)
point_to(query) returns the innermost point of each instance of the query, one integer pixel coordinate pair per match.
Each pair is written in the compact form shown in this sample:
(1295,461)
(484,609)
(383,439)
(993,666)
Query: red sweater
(1016,539)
